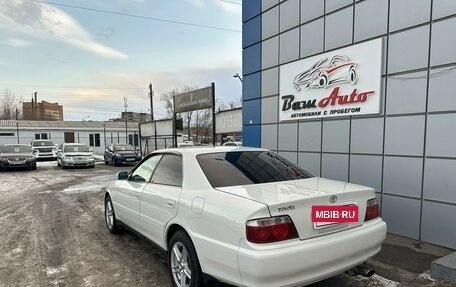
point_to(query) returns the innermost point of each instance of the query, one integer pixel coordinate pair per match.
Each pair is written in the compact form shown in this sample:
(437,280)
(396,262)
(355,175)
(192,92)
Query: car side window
(143,172)
(169,171)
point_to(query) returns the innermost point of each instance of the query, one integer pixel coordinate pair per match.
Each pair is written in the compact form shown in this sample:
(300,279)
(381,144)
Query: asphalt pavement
(54,235)
(407,261)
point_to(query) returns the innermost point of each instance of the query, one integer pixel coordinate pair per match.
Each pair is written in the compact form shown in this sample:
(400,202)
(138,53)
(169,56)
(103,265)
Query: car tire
(92,166)
(106,161)
(58,163)
(110,217)
(182,258)
(33,167)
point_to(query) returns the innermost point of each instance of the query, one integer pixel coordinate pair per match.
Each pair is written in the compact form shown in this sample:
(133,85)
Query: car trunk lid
(295,198)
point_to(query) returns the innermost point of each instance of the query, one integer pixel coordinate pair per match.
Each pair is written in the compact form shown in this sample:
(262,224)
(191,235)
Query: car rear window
(43,143)
(76,148)
(16,149)
(248,167)
(123,147)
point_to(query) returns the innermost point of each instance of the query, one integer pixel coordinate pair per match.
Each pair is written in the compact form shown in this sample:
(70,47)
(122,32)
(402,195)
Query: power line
(138,16)
(69,87)
(230,2)
(117,111)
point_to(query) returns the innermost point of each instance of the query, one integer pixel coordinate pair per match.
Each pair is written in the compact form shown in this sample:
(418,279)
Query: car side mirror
(122,175)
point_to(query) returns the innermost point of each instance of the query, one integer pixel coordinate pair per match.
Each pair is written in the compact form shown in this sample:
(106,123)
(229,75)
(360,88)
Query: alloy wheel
(109,214)
(180,265)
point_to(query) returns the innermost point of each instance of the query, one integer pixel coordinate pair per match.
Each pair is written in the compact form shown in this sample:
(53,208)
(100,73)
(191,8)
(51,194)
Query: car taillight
(372,210)
(269,230)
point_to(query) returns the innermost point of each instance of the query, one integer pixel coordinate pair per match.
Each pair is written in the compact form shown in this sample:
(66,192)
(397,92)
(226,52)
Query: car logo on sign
(324,73)
(17,159)
(333,199)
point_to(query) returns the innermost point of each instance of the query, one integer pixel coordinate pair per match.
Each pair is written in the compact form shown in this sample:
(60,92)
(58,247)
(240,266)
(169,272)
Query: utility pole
(126,120)
(151,95)
(17,125)
(35,108)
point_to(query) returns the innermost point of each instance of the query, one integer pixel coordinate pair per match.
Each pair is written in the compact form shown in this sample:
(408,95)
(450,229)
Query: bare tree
(236,103)
(8,104)
(221,105)
(168,96)
(203,125)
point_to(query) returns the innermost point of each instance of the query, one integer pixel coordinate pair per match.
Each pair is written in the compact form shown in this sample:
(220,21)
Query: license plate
(329,215)
(130,159)
(16,162)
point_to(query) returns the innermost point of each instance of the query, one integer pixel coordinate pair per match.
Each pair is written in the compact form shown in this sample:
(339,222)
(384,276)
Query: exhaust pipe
(362,270)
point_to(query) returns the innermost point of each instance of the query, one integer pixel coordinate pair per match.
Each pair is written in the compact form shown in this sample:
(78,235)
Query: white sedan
(243,216)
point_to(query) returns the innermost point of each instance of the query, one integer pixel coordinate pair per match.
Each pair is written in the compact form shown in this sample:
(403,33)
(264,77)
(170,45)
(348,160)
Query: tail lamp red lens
(269,230)
(372,210)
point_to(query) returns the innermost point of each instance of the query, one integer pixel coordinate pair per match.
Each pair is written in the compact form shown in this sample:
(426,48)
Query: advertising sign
(345,82)
(194,100)
(164,128)
(228,121)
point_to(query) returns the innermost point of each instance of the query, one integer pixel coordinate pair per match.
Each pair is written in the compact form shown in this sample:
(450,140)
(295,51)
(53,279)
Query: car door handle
(170,203)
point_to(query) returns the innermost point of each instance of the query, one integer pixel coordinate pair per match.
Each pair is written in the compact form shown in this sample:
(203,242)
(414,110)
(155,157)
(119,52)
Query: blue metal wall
(407,151)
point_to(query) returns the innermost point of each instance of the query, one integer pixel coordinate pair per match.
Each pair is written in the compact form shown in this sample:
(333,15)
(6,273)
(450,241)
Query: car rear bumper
(45,156)
(79,163)
(27,164)
(121,160)
(303,262)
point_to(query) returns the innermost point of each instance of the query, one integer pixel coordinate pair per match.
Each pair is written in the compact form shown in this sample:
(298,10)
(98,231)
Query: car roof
(194,151)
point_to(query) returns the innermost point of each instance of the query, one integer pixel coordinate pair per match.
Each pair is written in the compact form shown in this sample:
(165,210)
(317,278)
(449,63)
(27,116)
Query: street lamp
(237,76)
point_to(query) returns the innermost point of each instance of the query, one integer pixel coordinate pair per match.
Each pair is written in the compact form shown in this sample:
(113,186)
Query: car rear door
(129,191)
(160,197)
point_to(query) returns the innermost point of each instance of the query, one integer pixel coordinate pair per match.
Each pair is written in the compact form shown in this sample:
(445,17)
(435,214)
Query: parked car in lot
(16,156)
(44,149)
(75,154)
(117,154)
(242,216)
(186,144)
(230,143)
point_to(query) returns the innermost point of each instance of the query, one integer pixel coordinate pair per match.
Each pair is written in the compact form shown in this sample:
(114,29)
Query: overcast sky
(88,61)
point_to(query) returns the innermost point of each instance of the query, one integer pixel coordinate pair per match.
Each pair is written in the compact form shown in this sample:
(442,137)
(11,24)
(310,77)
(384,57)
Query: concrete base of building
(444,268)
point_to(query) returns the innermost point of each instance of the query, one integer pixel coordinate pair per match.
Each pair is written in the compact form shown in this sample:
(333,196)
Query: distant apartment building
(43,111)
(135,117)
